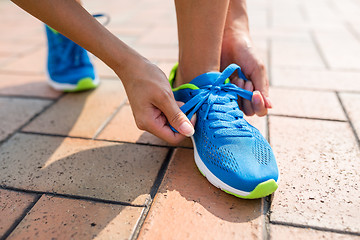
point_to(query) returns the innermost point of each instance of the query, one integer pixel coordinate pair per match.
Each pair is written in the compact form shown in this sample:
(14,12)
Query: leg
(200,28)
(228,151)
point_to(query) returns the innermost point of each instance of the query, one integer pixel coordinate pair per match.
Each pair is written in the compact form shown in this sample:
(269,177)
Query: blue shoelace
(222,108)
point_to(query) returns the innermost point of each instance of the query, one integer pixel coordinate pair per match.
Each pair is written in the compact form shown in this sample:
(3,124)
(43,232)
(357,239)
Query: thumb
(177,118)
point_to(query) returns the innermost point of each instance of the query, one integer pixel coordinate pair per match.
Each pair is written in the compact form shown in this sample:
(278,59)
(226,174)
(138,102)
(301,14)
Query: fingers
(238,82)
(246,104)
(258,104)
(174,115)
(164,131)
(260,101)
(261,83)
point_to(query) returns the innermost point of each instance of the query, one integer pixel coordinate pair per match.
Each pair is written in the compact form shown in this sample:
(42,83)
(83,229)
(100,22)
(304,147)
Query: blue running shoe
(68,65)
(229,152)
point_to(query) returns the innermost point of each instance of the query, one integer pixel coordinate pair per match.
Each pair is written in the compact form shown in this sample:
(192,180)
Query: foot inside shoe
(230,152)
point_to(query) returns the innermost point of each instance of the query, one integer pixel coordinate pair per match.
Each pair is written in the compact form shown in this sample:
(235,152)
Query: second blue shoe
(68,65)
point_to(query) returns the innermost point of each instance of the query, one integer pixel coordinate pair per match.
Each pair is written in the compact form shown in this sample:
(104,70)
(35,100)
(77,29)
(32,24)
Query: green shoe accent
(173,74)
(262,190)
(83,84)
(186,85)
(201,172)
(53,30)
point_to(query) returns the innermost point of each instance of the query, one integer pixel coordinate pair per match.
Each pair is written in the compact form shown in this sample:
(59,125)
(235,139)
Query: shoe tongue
(205,79)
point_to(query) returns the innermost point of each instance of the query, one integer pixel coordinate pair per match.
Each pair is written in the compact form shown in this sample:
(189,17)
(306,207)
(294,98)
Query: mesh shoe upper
(67,62)
(232,149)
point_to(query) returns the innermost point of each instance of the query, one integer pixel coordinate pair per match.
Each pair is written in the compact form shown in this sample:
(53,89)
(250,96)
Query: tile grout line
(153,192)
(318,48)
(19,129)
(312,89)
(352,31)
(348,119)
(303,12)
(318,69)
(323,229)
(267,200)
(21,73)
(108,120)
(309,118)
(19,220)
(69,196)
(27,97)
(100,139)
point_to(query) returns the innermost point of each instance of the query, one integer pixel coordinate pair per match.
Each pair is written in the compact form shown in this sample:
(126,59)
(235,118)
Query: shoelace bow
(222,108)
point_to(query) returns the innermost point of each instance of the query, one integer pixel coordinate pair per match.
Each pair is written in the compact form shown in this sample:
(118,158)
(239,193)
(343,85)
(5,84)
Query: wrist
(237,20)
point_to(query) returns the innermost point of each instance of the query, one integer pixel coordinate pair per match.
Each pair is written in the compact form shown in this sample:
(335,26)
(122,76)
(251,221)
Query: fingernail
(187,129)
(256,100)
(269,102)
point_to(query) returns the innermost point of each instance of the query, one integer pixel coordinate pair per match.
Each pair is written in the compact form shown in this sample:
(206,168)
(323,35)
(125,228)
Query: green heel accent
(262,190)
(83,84)
(173,74)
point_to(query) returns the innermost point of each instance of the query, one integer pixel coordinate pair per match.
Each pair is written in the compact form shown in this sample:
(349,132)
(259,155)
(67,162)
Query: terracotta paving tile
(279,232)
(16,48)
(350,10)
(316,79)
(295,53)
(159,54)
(351,102)
(318,162)
(12,206)
(187,206)
(111,171)
(303,16)
(345,57)
(286,14)
(163,36)
(306,103)
(276,33)
(257,17)
(31,63)
(80,114)
(26,85)
(123,128)
(320,12)
(61,218)
(16,112)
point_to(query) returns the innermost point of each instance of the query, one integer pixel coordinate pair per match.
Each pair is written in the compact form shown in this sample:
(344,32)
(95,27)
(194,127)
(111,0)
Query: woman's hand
(237,47)
(153,103)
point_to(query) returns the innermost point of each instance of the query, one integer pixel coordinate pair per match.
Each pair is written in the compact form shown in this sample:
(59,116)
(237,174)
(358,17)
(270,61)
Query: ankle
(184,75)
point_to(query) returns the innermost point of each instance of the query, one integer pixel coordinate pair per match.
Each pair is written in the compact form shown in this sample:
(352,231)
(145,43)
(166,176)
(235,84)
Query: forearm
(72,20)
